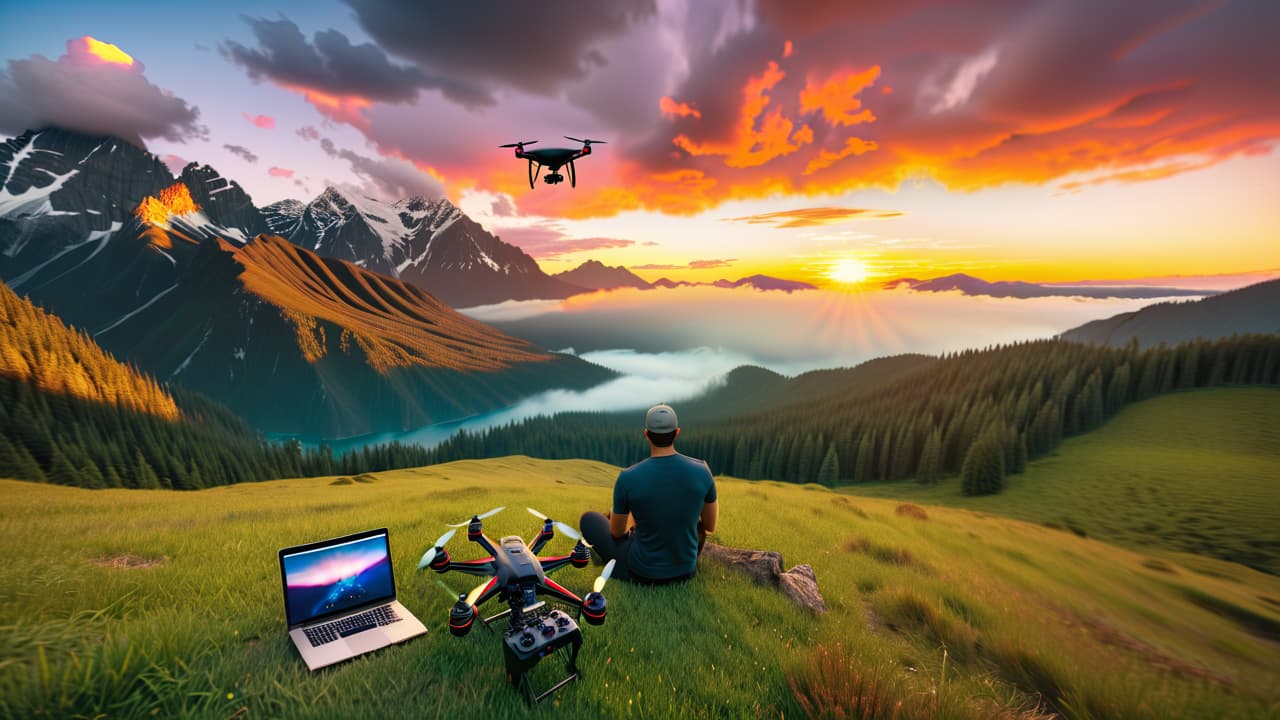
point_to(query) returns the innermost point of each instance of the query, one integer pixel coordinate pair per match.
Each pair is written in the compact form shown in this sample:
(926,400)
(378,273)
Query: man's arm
(618,525)
(710,515)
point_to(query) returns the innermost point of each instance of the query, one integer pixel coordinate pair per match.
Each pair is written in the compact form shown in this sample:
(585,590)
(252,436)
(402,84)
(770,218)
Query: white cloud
(966,80)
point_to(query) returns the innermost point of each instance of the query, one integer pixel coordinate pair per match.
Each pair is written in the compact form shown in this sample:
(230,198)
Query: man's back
(665,495)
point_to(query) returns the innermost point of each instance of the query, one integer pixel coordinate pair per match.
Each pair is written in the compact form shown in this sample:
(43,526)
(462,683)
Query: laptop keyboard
(327,633)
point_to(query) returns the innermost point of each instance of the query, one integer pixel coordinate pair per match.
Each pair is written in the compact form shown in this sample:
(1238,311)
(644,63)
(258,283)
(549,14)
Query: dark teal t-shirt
(665,495)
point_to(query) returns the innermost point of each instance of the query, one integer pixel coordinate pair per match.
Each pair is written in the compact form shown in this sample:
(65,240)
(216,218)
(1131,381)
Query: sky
(1053,141)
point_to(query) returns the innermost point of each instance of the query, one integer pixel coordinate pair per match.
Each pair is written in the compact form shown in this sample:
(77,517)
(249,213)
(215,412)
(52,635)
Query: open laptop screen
(330,577)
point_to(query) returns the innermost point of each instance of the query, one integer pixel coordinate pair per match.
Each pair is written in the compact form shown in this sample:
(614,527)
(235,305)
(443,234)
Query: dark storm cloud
(388,179)
(242,152)
(80,92)
(332,65)
(537,47)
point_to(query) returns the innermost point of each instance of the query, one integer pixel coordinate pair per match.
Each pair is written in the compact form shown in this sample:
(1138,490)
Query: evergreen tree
(829,473)
(144,474)
(983,469)
(864,463)
(930,467)
(61,471)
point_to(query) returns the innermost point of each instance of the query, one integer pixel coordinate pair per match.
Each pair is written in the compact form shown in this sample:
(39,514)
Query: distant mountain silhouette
(1253,309)
(595,275)
(759,282)
(970,285)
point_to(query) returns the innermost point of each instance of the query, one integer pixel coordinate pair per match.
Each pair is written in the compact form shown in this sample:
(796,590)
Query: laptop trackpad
(367,641)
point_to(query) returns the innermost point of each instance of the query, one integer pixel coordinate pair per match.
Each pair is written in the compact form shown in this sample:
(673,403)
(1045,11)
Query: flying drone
(552,159)
(517,574)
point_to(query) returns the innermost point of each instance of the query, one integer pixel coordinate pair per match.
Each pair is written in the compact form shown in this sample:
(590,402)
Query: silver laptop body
(340,598)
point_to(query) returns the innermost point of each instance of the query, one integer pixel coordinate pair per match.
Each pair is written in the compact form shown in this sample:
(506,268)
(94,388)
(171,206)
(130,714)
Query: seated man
(663,509)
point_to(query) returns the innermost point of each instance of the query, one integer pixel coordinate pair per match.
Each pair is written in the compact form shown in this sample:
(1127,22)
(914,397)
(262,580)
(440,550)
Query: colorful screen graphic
(333,579)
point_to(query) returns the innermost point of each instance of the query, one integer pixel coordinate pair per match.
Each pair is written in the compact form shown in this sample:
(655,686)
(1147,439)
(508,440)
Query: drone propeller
(585,142)
(476,592)
(452,595)
(430,554)
(568,530)
(464,523)
(604,576)
(518,144)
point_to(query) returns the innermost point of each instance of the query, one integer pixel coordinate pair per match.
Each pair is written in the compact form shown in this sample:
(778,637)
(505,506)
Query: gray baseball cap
(661,419)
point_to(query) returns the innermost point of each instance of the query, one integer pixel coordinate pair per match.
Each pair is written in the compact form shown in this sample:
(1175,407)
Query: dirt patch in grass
(1159,566)
(912,510)
(343,481)
(1251,622)
(1110,635)
(883,553)
(365,478)
(130,562)
(844,502)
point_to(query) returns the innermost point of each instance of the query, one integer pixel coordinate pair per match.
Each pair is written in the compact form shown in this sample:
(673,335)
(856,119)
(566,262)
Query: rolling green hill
(1252,309)
(1196,472)
(150,603)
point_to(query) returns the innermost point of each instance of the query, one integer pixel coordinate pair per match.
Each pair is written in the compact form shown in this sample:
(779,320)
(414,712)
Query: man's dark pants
(595,530)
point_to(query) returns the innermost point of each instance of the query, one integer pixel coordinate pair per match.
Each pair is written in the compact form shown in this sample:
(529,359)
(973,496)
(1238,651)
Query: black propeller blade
(518,144)
(585,142)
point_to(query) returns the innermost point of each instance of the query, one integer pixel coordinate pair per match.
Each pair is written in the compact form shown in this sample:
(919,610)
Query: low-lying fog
(797,332)
(670,345)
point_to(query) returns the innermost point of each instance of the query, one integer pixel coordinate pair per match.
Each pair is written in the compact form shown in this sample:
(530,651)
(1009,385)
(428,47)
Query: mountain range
(970,285)
(175,275)
(430,244)
(1252,309)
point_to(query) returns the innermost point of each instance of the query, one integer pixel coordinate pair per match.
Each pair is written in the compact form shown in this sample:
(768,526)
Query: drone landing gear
(533,173)
(539,636)
(519,675)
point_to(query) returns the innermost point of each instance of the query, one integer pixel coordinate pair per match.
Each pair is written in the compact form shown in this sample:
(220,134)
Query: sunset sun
(848,271)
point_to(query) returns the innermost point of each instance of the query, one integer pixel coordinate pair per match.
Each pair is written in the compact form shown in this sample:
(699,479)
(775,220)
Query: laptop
(340,598)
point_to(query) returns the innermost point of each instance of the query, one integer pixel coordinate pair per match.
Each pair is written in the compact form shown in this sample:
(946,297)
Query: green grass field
(153,603)
(1196,472)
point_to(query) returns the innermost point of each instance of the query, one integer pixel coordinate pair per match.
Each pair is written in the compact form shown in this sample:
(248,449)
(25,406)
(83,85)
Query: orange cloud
(826,158)
(751,146)
(280,172)
(342,108)
(101,52)
(266,122)
(678,109)
(815,216)
(837,98)
(787,49)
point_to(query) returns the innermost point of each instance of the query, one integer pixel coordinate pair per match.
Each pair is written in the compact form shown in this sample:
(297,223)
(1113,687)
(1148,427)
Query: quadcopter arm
(483,593)
(557,591)
(551,564)
(541,540)
(481,568)
(484,542)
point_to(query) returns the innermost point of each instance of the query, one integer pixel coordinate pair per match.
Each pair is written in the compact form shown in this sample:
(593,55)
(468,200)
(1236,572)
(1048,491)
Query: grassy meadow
(117,603)
(1196,472)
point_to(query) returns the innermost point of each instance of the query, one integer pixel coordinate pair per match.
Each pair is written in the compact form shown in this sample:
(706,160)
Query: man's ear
(677,433)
